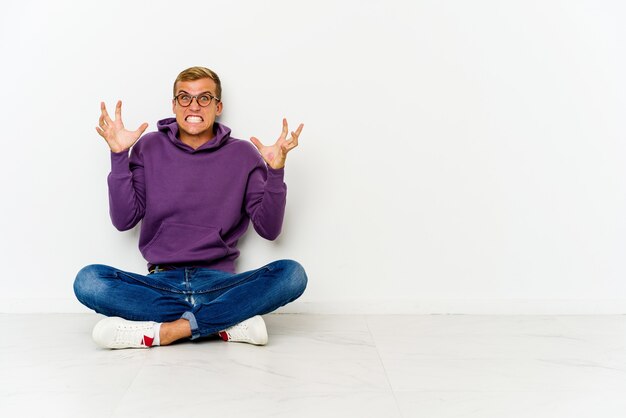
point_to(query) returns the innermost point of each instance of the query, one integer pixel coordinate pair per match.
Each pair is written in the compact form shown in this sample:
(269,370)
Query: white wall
(457,156)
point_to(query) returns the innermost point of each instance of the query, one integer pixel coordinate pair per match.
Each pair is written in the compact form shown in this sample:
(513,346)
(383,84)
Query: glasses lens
(184,100)
(204,100)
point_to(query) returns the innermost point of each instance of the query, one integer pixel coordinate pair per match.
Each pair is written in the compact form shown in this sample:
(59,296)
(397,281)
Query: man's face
(195,120)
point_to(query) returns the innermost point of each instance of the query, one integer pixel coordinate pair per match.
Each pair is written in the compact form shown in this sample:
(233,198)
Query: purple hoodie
(195,204)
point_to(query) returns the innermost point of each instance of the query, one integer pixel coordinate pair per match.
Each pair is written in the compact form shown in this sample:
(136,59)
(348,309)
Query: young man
(195,189)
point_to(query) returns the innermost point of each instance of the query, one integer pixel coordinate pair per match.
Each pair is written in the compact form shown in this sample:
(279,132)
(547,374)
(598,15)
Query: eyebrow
(199,94)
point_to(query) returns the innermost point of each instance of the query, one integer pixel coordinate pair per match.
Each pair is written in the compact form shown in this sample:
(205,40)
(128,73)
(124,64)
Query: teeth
(194,119)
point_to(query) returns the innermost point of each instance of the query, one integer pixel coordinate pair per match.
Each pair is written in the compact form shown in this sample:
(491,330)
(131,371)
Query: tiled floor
(325,366)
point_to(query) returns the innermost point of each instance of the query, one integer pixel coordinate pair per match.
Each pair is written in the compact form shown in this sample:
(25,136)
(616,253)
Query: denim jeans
(211,300)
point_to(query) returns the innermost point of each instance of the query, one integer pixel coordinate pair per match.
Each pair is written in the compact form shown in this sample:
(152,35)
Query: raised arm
(267,191)
(126,179)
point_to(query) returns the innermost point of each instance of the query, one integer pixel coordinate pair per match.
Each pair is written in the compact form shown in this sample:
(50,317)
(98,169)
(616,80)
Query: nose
(197,105)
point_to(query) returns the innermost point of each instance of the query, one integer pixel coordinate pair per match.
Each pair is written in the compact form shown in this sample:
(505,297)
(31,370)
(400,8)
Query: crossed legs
(190,302)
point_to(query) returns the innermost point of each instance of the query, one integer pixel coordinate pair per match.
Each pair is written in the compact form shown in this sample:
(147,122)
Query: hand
(275,155)
(113,131)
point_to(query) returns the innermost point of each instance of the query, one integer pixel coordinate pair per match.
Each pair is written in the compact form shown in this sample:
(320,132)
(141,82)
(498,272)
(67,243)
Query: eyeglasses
(185,99)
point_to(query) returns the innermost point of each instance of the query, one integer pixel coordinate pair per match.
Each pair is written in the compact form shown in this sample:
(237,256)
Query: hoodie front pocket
(178,243)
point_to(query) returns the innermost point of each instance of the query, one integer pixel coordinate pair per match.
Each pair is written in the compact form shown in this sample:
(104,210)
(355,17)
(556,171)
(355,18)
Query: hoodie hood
(170,128)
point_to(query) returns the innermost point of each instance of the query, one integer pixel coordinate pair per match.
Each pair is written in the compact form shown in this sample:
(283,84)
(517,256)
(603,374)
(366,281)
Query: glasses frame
(196,97)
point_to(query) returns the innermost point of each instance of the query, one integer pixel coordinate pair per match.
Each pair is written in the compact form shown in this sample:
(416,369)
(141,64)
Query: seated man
(195,189)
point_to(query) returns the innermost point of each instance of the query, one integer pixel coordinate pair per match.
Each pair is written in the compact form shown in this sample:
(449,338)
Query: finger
(256,143)
(285,148)
(295,135)
(141,129)
(105,115)
(292,144)
(118,111)
(283,134)
(100,131)
(288,146)
(294,138)
(101,121)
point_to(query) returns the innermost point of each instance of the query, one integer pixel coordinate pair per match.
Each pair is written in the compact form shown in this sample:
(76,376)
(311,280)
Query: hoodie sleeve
(266,197)
(127,190)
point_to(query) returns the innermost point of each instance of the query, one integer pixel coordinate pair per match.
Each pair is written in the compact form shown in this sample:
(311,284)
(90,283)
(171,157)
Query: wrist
(277,164)
(116,148)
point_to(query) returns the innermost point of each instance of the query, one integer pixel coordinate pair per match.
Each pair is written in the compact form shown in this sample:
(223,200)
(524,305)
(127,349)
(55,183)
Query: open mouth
(194,119)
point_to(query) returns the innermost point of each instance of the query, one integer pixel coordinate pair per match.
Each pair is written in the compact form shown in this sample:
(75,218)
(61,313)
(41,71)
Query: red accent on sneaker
(147,341)
(224,335)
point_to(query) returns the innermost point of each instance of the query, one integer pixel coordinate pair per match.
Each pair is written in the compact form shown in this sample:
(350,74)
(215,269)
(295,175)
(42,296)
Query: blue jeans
(211,300)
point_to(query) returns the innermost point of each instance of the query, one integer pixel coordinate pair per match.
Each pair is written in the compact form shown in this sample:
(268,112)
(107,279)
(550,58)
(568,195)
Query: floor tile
(498,404)
(267,404)
(52,368)
(325,365)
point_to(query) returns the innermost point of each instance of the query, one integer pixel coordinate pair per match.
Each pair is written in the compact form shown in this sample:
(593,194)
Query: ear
(219,108)
(174,106)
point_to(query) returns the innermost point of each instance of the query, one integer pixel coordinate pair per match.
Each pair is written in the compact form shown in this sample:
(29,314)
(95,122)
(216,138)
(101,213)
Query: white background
(457,156)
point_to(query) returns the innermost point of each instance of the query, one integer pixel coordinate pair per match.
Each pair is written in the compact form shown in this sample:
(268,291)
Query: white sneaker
(251,331)
(114,332)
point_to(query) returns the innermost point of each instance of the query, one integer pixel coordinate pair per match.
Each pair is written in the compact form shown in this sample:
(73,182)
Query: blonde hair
(197,73)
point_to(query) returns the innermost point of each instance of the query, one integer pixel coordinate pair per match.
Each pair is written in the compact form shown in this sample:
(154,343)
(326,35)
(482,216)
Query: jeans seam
(152,285)
(232,284)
